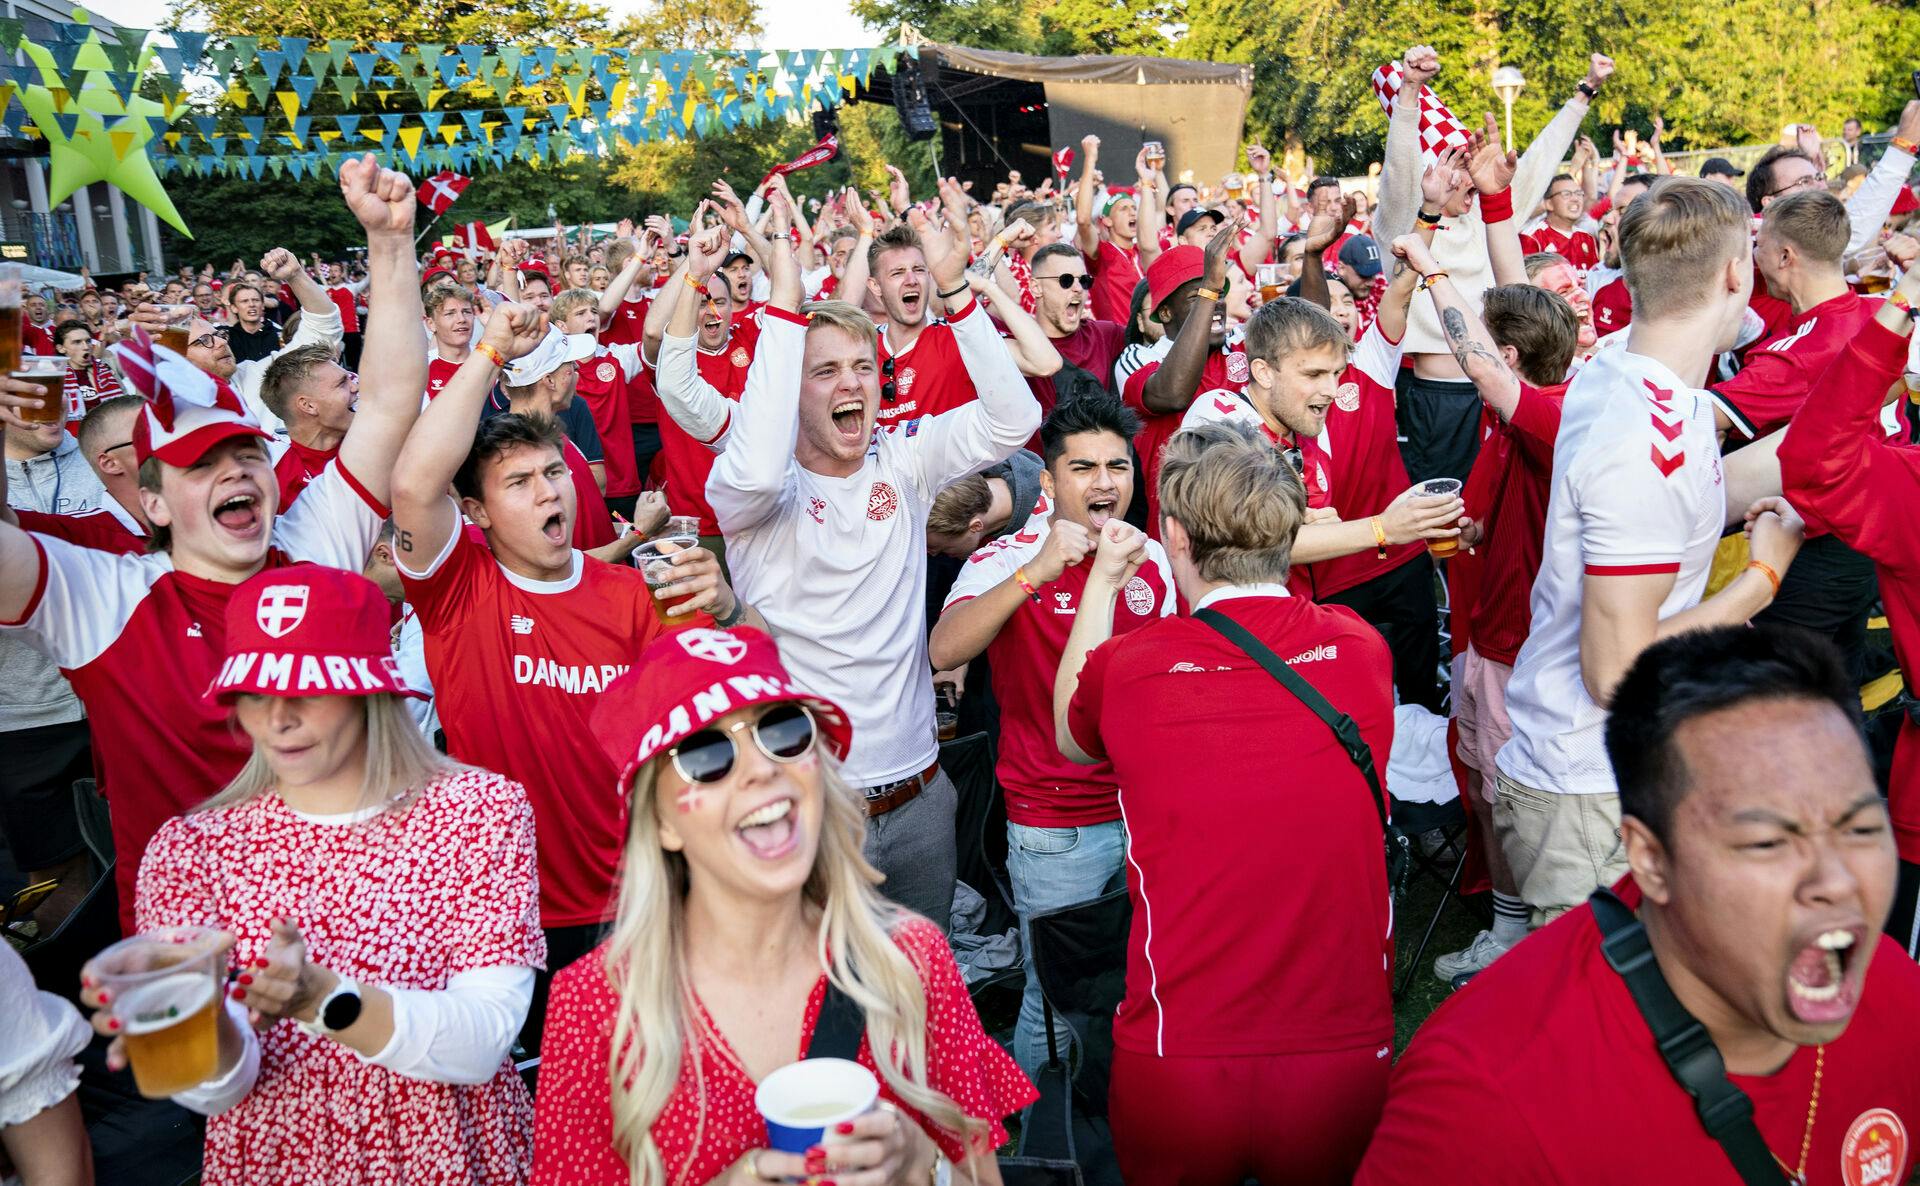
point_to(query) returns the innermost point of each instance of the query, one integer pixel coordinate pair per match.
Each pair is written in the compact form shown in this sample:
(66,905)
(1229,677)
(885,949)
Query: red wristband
(1496,207)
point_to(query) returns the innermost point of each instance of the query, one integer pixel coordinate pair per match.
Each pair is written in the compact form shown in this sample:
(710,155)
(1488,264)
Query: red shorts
(1286,1119)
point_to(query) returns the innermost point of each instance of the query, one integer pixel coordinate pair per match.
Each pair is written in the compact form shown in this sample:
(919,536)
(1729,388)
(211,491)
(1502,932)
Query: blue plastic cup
(803,1100)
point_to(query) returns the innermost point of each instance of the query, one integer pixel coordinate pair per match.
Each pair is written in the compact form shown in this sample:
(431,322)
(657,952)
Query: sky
(790,24)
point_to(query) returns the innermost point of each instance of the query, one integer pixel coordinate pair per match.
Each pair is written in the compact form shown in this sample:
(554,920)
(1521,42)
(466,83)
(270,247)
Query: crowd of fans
(542,657)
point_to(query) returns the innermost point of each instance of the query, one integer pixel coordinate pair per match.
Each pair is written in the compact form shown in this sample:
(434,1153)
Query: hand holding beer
(684,579)
(1419,515)
(1121,552)
(157,995)
(23,402)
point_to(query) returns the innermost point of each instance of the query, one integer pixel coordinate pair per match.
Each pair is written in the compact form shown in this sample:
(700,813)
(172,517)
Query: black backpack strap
(1725,1111)
(1343,726)
(839,1028)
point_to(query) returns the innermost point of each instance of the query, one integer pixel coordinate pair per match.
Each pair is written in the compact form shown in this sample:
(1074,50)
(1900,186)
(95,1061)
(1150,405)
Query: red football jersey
(106,528)
(603,382)
(1577,247)
(929,378)
(346,300)
(1612,306)
(439,371)
(1044,790)
(37,339)
(592,522)
(685,462)
(627,327)
(1778,374)
(1542,1073)
(1223,372)
(1507,491)
(141,642)
(1363,450)
(1116,270)
(1094,348)
(517,667)
(298,466)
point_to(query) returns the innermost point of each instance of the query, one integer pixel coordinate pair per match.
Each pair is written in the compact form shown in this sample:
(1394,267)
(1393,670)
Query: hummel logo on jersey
(1801,331)
(280,609)
(1185,668)
(520,624)
(193,631)
(1323,651)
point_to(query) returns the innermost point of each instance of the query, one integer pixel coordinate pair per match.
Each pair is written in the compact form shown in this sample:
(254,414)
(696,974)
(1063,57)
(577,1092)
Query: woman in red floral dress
(744,893)
(381,906)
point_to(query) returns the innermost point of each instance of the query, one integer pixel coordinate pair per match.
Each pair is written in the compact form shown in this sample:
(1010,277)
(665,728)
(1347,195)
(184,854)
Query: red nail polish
(239,994)
(113,1023)
(245,979)
(814,1151)
(844,1128)
(106,996)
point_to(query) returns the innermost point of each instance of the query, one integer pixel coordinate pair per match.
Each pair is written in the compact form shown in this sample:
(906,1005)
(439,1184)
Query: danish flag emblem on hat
(715,646)
(281,608)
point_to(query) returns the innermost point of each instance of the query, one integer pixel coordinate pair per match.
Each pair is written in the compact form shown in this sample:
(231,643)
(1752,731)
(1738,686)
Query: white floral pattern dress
(406,900)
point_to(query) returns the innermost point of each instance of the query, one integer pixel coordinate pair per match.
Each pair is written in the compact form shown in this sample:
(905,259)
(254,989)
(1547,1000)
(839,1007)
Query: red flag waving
(472,236)
(1063,161)
(819,154)
(441,189)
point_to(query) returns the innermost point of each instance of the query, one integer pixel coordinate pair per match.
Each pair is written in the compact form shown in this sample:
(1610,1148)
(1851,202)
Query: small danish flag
(442,190)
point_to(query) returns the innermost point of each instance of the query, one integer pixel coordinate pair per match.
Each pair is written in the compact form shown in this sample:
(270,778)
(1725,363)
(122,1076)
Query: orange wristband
(696,285)
(486,349)
(1020,578)
(1766,570)
(1379,536)
(1906,146)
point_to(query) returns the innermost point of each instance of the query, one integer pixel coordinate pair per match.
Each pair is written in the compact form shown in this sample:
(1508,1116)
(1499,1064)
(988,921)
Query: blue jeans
(1051,868)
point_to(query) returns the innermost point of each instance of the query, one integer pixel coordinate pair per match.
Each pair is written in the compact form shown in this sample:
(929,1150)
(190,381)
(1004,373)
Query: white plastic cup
(803,1100)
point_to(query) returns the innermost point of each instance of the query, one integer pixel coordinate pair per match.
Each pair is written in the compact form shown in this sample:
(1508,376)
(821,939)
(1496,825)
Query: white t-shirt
(1637,489)
(838,566)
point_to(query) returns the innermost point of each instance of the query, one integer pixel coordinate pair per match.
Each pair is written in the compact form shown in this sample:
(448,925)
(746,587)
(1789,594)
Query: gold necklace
(1813,1109)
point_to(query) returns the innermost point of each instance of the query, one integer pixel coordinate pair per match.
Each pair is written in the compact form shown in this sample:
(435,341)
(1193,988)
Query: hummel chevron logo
(1662,397)
(1666,465)
(1669,431)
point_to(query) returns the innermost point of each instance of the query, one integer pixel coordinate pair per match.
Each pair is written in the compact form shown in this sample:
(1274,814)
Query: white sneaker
(1478,954)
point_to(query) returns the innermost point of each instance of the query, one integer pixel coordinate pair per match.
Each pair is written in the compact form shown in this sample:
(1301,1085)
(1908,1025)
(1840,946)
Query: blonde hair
(573,298)
(654,1024)
(1814,221)
(1238,498)
(1674,241)
(399,762)
(955,508)
(844,316)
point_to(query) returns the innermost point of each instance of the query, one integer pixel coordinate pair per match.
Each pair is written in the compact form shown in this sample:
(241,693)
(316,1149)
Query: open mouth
(1823,981)
(1218,325)
(911,302)
(555,528)
(769,832)
(240,514)
(849,416)
(1101,509)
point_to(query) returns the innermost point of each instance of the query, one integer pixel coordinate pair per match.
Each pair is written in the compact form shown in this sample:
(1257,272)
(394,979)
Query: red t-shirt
(1577,247)
(1223,372)
(1229,952)
(1116,270)
(346,300)
(1507,495)
(1774,383)
(627,327)
(299,465)
(1044,790)
(1094,348)
(1775,314)
(1612,306)
(1363,449)
(712,1101)
(685,463)
(1542,1072)
(592,522)
(37,339)
(603,382)
(140,642)
(439,371)
(929,378)
(100,529)
(517,668)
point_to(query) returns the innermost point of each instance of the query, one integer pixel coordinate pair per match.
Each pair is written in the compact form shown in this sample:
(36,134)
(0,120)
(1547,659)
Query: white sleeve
(1868,208)
(86,598)
(695,405)
(1377,358)
(39,1036)
(1157,557)
(335,522)
(217,1095)
(627,354)
(989,428)
(1541,160)
(1633,519)
(458,1034)
(754,472)
(316,329)
(810,282)
(986,568)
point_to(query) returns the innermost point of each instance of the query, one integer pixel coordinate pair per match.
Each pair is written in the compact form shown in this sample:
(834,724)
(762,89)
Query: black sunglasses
(1069,279)
(887,389)
(784,733)
(1297,460)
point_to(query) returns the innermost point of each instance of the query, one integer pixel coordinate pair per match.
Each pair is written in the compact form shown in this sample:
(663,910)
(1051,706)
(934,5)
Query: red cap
(187,412)
(691,678)
(308,630)
(537,267)
(434,273)
(1905,201)
(1174,267)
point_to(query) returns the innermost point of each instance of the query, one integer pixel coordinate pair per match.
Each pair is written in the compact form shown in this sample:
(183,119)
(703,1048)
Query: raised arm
(1542,159)
(424,518)
(393,358)
(1149,200)
(1400,167)
(319,316)
(621,284)
(1171,388)
(1085,234)
(1260,244)
(1492,169)
(1033,351)
(695,405)
(853,278)
(20,561)
(1868,208)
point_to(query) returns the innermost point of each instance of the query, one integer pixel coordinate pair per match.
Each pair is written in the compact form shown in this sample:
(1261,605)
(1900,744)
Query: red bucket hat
(307,630)
(1172,268)
(687,680)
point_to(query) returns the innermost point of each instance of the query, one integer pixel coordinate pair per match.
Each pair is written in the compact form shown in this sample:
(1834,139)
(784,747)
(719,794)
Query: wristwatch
(338,1010)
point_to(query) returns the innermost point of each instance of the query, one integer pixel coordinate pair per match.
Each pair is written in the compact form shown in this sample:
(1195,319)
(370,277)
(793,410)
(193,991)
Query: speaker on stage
(910,100)
(826,122)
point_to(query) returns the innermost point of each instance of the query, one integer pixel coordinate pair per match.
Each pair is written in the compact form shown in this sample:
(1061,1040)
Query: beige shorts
(1561,847)
(1480,707)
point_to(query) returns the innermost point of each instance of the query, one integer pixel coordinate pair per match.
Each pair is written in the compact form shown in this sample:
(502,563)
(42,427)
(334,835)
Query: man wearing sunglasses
(117,524)
(1062,287)
(209,350)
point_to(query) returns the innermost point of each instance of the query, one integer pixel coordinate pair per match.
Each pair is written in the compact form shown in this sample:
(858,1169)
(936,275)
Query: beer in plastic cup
(1271,278)
(946,724)
(1156,153)
(51,376)
(174,335)
(11,318)
(164,989)
(654,559)
(802,1101)
(1440,549)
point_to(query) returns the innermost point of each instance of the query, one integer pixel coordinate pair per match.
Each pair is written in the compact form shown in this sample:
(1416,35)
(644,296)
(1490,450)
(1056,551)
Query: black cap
(1722,166)
(733,255)
(1195,215)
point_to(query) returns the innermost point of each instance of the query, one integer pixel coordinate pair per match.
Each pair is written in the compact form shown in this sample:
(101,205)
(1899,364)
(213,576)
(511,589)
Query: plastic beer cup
(174,335)
(50,374)
(1440,549)
(654,559)
(164,989)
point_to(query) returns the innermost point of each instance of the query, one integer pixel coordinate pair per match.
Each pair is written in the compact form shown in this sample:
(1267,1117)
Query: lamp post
(1507,82)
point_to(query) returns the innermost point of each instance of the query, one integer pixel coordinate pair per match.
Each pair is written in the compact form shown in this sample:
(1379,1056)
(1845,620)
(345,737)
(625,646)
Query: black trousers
(37,815)
(646,447)
(1829,590)
(1400,604)
(564,946)
(1439,426)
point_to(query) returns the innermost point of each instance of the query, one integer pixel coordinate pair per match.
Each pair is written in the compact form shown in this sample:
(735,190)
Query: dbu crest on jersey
(740,357)
(1347,399)
(1139,596)
(606,371)
(882,502)
(280,609)
(1237,369)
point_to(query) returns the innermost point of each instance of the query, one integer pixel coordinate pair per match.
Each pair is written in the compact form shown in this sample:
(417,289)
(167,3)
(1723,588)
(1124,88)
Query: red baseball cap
(434,273)
(691,678)
(307,630)
(1174,267)
(537,267)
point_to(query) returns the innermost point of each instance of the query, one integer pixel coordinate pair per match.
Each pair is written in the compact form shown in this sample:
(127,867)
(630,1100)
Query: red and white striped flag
(1063,161)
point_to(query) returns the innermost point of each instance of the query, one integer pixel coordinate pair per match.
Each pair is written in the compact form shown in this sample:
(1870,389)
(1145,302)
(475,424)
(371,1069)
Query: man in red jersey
(523,632)
(1561,233)
(541,383)
(624,307)
(314,396)
(137,635)
(1014,600)
(1761,867)
(118,524)
(1839,466)
(1108,238)
(449,311)
(1213,1082)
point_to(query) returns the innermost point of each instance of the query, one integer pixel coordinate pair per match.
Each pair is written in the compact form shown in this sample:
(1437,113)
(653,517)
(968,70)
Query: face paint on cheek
(690,798)
(807,761)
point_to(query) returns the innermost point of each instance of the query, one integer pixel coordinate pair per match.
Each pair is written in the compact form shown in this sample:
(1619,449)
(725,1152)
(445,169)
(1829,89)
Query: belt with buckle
(889,795)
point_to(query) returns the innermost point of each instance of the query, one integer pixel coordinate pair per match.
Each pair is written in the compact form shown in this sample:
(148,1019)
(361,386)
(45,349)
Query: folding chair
(979,823)
(1450,820)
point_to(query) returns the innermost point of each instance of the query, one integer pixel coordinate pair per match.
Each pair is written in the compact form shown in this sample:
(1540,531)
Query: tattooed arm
(1474,350)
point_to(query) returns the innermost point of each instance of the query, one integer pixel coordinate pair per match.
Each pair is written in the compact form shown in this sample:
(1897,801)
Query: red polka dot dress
(403,900)
(573,1131)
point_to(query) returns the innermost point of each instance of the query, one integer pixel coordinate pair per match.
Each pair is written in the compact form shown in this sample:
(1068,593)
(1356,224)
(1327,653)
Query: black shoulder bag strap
(1398,848)
(1725,1111)
(839,1028)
